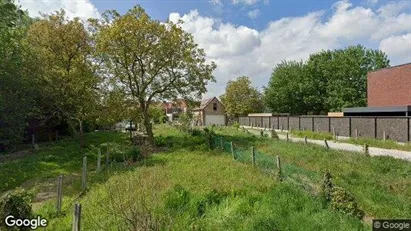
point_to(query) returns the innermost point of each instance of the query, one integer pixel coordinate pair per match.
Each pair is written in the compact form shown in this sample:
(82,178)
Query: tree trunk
(149,128)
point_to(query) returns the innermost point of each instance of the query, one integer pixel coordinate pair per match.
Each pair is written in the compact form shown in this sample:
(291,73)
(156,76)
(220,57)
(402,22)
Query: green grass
(200,190)
(63,157)
(187,186)
(387,144)
(381,185)
(312,135)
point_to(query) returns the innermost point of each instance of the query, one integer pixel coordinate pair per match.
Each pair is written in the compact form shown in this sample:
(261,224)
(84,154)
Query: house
(174,109)
(388,93)
(211,111)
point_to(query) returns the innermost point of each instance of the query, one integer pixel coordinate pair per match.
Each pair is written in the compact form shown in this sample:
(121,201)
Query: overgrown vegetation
(312,135)
(388,144)
(380,185)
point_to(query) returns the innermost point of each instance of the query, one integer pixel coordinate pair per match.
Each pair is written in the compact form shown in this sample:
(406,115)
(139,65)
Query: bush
(196,132)
(344,202)
(134,153)
(16,203)
(236,125)
(163,119)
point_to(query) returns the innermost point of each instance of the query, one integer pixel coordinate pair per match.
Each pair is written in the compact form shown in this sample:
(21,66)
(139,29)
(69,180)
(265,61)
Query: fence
(394,128)
(270,164)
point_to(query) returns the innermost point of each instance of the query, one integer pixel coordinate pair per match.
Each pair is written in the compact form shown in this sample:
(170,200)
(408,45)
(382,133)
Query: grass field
(187,186)
(381,185)
(201,190)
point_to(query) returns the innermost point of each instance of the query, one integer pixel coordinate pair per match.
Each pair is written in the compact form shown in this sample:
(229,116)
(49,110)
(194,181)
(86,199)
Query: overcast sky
(249,37)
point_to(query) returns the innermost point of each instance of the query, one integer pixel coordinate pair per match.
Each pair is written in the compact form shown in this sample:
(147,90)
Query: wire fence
(270,164)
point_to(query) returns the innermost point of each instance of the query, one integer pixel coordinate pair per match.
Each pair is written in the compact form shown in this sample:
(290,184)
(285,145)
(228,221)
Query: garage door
(215,119)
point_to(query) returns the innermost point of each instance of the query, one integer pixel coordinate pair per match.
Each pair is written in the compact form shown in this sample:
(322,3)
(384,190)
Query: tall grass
(199,190)
(381,185)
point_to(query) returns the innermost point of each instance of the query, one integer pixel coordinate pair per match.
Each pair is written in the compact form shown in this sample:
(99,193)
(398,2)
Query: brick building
(390,86)
(389,93)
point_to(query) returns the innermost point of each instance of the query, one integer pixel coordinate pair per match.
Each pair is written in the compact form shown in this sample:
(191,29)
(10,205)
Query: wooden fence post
(334,134)
(253,155)
(305,140)
(221,143)
(232,150)
(326,144)
(366,151)
(59,193)
(99,160)
(286,136)
(76,217)
(84,175)
(279,173)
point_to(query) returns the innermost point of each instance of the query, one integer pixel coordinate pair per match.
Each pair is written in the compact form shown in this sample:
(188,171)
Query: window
(214,106)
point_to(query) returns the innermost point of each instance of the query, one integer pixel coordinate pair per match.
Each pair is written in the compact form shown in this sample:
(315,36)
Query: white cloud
(247,2)
(398,47)
(253,13)
(74,8)
(240,50)
(216,2)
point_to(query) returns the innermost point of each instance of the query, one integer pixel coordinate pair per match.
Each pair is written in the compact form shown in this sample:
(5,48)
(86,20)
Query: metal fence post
(76,217)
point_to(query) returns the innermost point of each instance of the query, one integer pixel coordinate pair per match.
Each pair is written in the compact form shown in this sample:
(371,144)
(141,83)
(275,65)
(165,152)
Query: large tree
(327,81)
(240,98)
(17,89)
(151,60)
(63,51)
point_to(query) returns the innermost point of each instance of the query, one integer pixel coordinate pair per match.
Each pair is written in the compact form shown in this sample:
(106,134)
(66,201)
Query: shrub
(274,135)
(327,186)
(344,202)
(196,132)
(134,153)
(16,203)
(163,119)
(236,125)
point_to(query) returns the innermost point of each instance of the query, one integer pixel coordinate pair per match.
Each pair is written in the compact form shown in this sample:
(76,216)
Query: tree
(17,89)
(151,61)
(240,98)
(63,50)
(328,81)
(286,89)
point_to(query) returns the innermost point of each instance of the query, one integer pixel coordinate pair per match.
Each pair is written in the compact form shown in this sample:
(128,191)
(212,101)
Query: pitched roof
(205,102)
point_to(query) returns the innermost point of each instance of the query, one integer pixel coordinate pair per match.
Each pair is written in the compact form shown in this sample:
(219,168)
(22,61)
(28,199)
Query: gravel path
(399,154)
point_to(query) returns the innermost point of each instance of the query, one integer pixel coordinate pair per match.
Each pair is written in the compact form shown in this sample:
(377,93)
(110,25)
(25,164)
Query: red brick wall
(390,86)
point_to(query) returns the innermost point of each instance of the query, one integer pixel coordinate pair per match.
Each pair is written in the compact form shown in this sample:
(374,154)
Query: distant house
(211,111)
(174,109)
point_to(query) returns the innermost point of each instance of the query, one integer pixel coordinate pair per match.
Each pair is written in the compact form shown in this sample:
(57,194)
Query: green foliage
(389,144)
(16,203)
(274,135)
(327,186)
(344,202)
(240,98)
(312,135)
(166,65)
(177,199)
(236,125)
(163,119)
(328,81)
(121,153)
